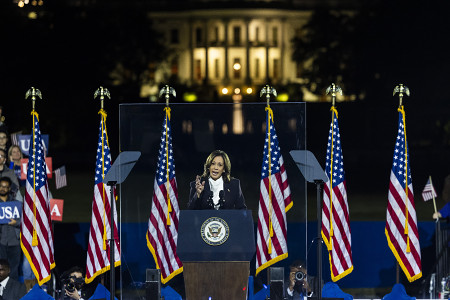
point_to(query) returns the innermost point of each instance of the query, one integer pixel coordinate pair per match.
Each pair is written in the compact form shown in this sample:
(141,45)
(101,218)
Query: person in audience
(10,233)
(7,172)
(298,285)
(74,286)
(10,289)
(14,161)
(444,212)
(3,139)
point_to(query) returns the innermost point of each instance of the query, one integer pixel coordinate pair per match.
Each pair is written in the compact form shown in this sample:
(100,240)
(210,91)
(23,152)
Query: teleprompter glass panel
(197,130)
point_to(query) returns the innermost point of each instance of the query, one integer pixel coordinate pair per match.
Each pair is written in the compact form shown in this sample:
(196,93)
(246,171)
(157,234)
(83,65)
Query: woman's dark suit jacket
(233,198)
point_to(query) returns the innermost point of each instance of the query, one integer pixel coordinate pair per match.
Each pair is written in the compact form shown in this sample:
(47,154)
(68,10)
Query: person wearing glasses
(7,172)
(3,140)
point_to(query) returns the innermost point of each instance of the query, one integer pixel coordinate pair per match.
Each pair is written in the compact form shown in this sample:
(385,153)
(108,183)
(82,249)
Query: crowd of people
(12,188)
(16,275)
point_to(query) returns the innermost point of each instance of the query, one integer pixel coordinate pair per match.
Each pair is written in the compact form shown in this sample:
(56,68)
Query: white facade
(233,48)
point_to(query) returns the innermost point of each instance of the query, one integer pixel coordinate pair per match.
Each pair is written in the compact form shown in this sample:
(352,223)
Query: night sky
(62,54)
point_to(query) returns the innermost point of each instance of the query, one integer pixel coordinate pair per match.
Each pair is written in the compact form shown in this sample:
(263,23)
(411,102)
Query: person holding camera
(299,282)
(73,284)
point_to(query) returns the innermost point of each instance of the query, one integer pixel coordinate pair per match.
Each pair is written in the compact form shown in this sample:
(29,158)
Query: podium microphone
(210,200)
(221,200)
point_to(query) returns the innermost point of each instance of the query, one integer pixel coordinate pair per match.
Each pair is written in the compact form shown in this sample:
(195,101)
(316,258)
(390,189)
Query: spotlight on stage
(276,281)
(153,284)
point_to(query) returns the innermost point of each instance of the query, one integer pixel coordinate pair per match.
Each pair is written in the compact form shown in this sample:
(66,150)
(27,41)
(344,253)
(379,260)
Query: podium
(216,247)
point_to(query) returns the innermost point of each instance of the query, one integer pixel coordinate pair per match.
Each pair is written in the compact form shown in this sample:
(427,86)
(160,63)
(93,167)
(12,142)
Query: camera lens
(299,276)
(70,287)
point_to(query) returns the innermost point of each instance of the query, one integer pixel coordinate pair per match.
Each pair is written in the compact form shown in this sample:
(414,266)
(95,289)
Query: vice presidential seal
(215,231)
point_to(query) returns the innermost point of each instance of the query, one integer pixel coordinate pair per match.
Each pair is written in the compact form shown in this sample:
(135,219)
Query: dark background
(69,51)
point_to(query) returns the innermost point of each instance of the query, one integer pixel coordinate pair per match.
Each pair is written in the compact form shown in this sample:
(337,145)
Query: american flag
(98,255)
(336,225)
(60,177)
(162,233)
(401,221)
(36,233)
(274,202)
(14,138)
(428,191)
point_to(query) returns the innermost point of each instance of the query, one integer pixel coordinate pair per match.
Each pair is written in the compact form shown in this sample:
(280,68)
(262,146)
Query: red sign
(24,164)
(56,209)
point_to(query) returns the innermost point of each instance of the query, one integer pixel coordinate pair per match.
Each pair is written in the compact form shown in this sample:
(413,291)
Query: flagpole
(434,199)
(34,93)
(403,90)
(104,92)
(334,89)
(268,90)
(167,91)
(437,229)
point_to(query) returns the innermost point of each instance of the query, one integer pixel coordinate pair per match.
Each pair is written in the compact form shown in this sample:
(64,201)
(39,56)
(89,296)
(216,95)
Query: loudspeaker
(153,284)
(276,282)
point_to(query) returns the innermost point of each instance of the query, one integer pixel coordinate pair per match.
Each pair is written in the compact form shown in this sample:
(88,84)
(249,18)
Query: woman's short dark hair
(75,269)
(226,161)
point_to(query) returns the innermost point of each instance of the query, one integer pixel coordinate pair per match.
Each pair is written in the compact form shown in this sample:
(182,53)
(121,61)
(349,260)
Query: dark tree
(68,52)
(370,49)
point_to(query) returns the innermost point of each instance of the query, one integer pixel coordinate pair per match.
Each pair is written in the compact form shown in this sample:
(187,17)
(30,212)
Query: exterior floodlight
(189,97)
(283,97)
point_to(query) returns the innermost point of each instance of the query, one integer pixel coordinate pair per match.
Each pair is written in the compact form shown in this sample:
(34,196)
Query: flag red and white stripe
(401,220)
(60,177)
(14,138)
(36,233)
(98,255)
(274,202)
(162,233)
(428,192)
(336,232)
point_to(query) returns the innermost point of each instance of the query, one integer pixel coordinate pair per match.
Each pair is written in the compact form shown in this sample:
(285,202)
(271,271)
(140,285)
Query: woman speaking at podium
(216,189)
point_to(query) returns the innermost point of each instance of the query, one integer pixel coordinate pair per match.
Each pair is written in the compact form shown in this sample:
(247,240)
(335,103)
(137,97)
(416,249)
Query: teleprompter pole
(112,269)
(319,187)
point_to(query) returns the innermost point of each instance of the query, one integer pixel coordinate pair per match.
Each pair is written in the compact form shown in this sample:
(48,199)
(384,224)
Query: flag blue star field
(401,221)
(274,202)
(98,255)
(336,225)
(162,233)
(36,230)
